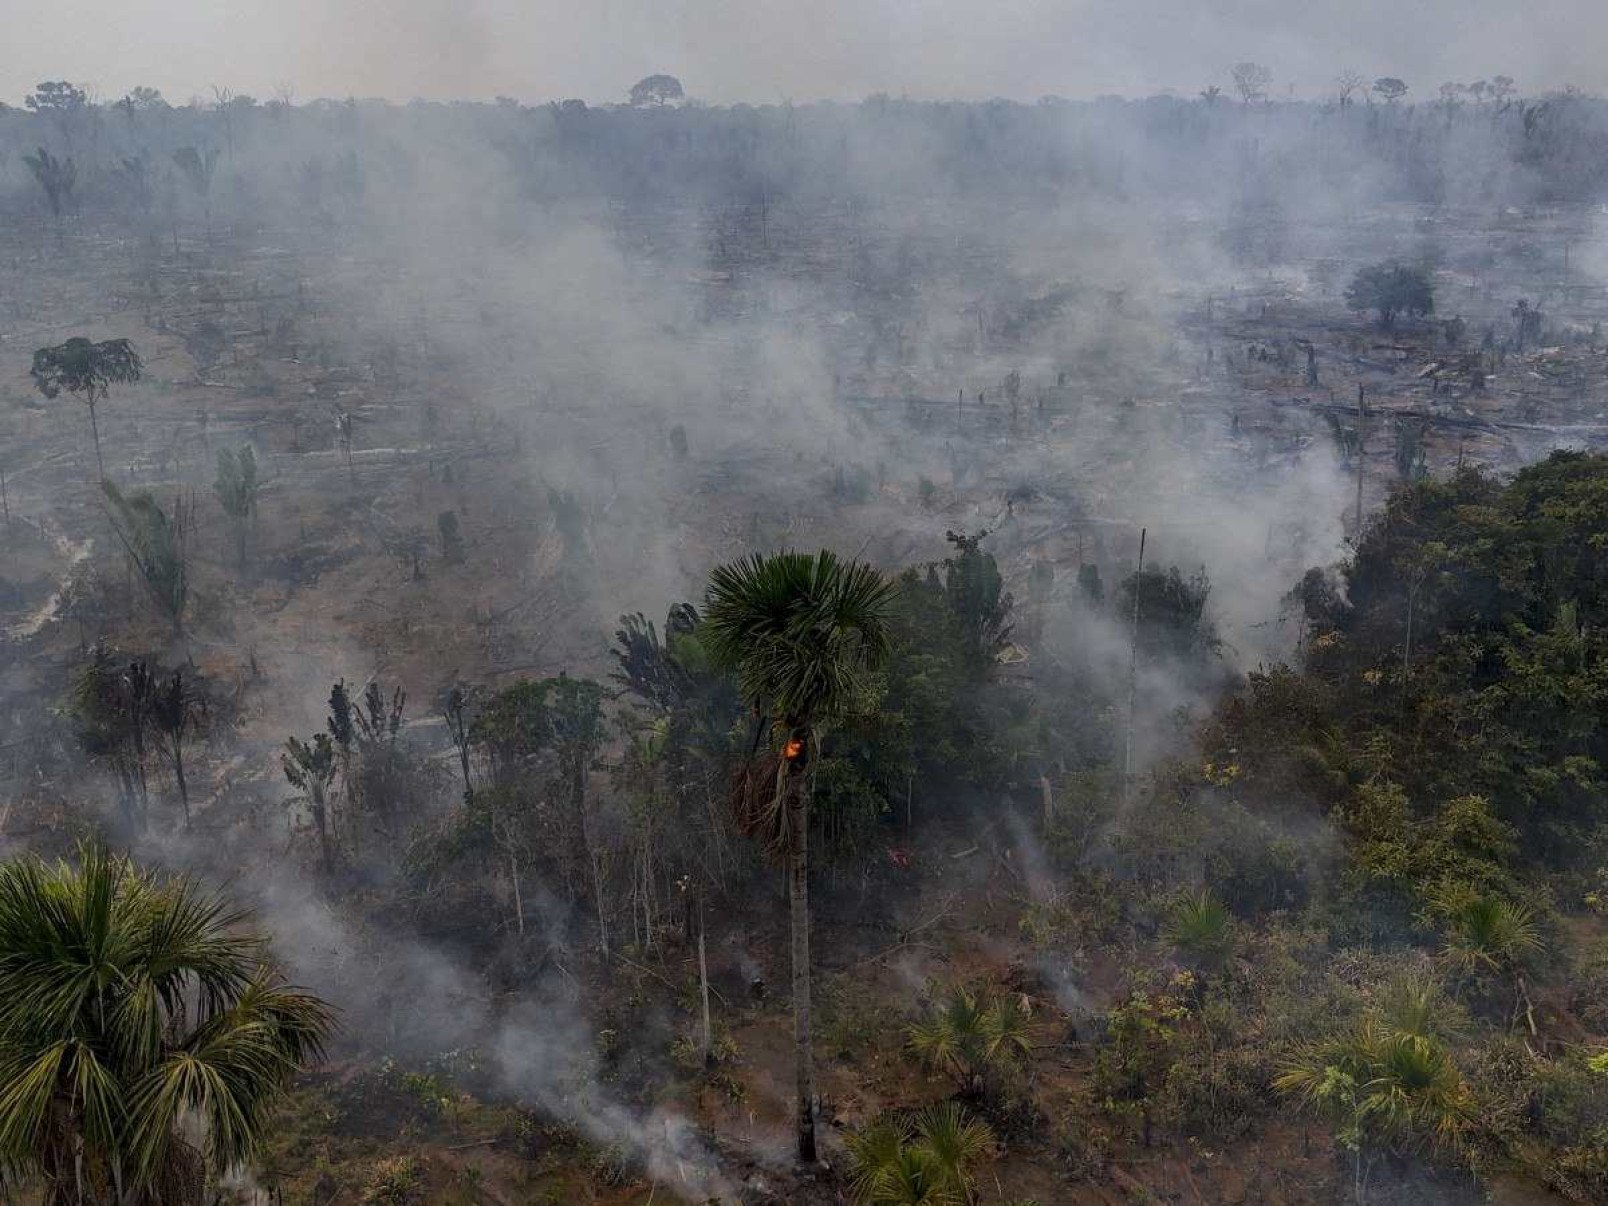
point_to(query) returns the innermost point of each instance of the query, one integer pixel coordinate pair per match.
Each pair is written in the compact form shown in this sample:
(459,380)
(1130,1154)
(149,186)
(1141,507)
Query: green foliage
(1488,934)
(1201,929)
(393,1182)
(1480,762)
(1383,1086)
(154,541)
(1172,613)
(237,488)
(927,1158)
(971,1039)
(1391,289)
(130,1006)
(84,368)
(800,630)
(977,599)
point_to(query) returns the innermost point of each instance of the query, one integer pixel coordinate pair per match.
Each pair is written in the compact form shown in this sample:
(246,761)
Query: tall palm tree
(144,1038)
(801,631)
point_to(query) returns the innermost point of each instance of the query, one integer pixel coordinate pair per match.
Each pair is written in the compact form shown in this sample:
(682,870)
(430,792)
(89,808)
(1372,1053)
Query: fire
(793,748)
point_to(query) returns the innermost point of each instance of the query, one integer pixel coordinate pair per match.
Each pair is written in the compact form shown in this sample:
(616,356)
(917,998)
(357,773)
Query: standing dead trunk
(1133,669)
(178,772)
(519,900)
(798,882)
(703,989)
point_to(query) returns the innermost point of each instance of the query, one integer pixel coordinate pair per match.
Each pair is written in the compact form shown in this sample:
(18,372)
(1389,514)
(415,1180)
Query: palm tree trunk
(94,430)
(799,900)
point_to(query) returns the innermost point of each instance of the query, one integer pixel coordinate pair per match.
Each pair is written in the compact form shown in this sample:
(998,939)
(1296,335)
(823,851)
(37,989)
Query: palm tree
(310,768)
(926,1159)
(1202,929)
(1383,1086)
(1489,934)
(969,1040)
(144,1037)
(801,631)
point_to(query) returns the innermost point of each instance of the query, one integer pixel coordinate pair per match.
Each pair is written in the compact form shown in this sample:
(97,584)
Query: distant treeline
(1209,149)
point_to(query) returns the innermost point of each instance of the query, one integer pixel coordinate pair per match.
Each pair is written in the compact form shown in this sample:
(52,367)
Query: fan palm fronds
(130,1004)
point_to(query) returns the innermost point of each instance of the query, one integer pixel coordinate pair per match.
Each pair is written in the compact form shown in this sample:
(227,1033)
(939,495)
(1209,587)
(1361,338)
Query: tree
(1390,89)
(978,600)
(973,1041)
(173,710)
(1348,84)
(198,167)
(236,488)
(1488,934)
(137,1016)
(656,90)
(1251,81)
(310,769)
(155,542)
(111,704)
(56,97)
(62,103)
(56,176)
(925,1159)
(1202,930)
(1391,289)
(1382,1086)
(801,632)
(206,343)
(86,370)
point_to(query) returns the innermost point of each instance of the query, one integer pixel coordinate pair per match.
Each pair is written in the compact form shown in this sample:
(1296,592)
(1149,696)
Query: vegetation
(87,370)
(132,1005)
(1391,290)
(236,488)
(926,1158)
(801,633)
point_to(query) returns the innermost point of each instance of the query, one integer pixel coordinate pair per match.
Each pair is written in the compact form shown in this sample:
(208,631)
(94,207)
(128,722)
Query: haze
(768,51)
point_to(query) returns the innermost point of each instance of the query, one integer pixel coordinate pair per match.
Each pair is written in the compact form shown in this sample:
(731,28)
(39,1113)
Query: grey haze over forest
(766,51)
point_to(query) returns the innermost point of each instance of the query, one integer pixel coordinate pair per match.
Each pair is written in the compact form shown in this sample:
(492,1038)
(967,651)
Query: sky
(725,51)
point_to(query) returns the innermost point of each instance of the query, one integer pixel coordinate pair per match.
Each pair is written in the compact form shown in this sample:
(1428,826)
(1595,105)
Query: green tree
(136,1014)
(801,632)
(154,541)
(310,768)
(236,489)
(1391,289)
(925,1159)
(1384,1088)
(86,370)
(173,711)
(971,1040)
(57,177)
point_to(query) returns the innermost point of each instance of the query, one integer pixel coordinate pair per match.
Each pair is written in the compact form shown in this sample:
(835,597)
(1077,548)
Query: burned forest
(882,651)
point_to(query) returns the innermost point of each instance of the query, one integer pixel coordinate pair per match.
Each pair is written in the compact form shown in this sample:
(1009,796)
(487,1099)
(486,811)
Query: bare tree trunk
(1133,669)
(799,900)
(519,901)
(703,988)
(184,788)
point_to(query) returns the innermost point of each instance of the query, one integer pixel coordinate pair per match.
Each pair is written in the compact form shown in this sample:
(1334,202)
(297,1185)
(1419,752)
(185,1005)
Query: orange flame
(792,749)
